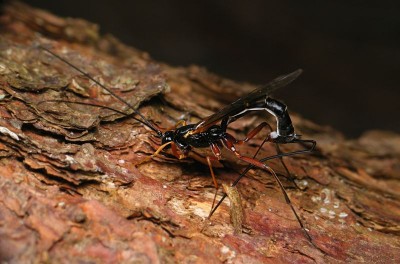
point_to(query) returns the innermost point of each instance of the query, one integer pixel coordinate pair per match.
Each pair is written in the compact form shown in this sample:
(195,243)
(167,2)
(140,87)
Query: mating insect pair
(212,131)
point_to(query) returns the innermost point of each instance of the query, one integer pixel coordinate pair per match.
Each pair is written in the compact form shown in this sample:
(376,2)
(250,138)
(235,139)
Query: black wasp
(211,132)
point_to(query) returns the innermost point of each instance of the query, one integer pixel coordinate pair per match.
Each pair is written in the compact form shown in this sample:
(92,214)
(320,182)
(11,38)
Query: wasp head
(168,136)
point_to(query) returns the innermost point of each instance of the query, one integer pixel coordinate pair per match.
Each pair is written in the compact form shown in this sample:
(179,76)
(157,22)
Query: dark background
(349,50)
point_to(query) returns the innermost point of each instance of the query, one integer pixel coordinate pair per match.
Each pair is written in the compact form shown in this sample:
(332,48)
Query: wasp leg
(147,159)
(241,175)
(176,153)
(179,123)
(217,156)
(288,174)
(255,131)
(281,154)
(263,166)
(310,149)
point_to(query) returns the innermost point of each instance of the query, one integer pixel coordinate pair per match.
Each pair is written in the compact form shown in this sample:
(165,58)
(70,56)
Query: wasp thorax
(215,132)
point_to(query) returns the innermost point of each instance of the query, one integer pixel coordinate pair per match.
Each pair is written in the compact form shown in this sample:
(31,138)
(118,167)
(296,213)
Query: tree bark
(73,189)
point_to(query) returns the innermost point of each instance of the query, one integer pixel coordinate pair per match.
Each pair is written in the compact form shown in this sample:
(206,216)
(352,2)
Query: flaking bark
(70,190)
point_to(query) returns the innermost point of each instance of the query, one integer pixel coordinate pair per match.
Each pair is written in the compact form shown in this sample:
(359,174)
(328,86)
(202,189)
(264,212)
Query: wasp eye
(168,137)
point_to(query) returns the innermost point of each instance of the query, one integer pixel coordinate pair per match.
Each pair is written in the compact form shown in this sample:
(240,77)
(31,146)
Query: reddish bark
(70,190)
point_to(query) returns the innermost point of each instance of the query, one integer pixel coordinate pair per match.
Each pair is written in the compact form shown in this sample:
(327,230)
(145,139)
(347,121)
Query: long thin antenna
(145,121)
(89,104)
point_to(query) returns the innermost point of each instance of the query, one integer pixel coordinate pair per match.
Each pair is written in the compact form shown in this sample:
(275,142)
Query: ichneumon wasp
(212,132)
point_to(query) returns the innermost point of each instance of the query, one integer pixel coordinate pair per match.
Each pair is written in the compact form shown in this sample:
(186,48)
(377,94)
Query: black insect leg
(263,166)
(241,175)
(312,143)
(279,155)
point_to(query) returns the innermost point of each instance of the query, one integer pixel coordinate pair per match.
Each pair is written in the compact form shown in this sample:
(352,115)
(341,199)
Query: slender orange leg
(229,144)
(161,148)
(217,156)
(147,159)
(180,122)
(209,159)
(254,132)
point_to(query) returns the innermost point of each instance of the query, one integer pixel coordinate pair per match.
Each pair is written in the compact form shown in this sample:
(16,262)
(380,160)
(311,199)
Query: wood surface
(71,190)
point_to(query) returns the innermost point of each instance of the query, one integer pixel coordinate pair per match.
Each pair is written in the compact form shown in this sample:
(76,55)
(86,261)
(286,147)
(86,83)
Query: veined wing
(240,104)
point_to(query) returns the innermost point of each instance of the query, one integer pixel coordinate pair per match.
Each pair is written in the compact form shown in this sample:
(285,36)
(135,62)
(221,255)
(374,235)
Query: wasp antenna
(143,121)
(89,104)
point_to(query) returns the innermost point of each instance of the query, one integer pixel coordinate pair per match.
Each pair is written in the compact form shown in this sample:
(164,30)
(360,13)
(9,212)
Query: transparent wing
(240,104)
